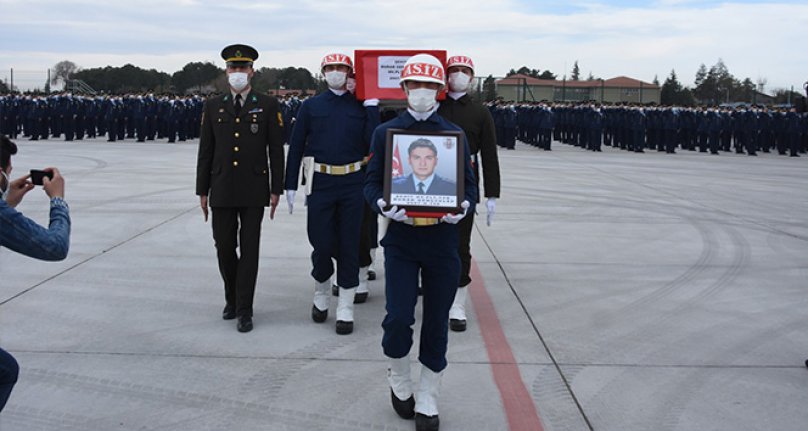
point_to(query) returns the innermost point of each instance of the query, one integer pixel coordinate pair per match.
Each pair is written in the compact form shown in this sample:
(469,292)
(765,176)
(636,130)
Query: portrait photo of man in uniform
(430,171)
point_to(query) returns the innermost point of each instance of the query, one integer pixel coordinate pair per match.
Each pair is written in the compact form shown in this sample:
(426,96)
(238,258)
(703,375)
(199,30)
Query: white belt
(338,169)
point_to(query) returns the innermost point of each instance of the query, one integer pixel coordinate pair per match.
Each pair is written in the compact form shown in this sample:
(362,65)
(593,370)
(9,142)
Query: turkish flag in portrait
(397,170)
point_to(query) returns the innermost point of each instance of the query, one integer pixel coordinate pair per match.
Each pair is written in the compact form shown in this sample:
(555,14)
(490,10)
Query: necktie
(421,188)
(237,105)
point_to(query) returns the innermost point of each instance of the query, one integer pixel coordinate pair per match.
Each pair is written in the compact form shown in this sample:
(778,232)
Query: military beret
(239,55)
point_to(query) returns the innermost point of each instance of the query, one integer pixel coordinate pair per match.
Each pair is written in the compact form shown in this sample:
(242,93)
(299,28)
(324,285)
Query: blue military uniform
(335,130)
(409,250)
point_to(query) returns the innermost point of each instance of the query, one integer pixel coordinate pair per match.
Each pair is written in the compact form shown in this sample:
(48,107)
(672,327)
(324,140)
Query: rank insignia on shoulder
(254,99)
(280,120)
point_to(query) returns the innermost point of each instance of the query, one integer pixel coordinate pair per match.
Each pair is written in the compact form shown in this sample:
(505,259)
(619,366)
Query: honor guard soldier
(413,246)
(330,139)
(478,125)
(239,172)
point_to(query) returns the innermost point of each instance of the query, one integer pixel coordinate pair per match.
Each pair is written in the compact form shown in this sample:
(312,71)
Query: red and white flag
(397,171)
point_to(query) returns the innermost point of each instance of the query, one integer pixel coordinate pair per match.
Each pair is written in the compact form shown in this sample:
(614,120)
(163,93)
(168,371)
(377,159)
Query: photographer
(23,235)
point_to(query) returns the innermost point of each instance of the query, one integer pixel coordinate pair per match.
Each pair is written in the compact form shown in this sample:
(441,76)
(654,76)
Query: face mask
(421,99)
(238,80)
(6,185)
(350,85)
(459,82)
(335,79)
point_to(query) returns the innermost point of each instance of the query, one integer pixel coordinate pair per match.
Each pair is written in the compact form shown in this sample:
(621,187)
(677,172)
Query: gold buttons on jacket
(238,120)
(235,149)
(235,162)
(235,134)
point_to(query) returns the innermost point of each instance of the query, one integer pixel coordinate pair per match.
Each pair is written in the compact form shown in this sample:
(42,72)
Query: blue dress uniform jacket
(335,130)
(408,250)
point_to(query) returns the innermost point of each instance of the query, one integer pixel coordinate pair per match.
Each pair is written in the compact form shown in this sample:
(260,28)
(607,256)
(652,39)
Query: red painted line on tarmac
(519,407)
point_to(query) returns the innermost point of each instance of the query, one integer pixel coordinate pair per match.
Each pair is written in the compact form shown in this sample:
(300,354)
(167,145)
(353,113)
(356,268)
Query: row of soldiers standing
(637,128)
(140,117)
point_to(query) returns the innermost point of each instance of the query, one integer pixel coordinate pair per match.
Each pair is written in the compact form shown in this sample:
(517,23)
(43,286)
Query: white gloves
(491,206)
(394,213)
(370,102)
(290,200)
(455,218)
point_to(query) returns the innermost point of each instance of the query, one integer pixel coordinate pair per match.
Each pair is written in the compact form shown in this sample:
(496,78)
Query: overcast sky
(755,39)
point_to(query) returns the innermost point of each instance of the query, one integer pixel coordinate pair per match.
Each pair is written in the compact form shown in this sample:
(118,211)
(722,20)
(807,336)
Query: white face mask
(350,85)
(335,79)
(6,185)
(238,80)
(459,82)
(421,99)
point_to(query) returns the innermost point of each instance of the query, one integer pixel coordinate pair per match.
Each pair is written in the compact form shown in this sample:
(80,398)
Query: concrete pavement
(634,291)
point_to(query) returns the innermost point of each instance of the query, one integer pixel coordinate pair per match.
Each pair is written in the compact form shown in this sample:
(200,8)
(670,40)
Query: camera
(38,176)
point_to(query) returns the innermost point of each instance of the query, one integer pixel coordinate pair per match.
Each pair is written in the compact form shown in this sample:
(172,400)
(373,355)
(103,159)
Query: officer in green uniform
(239,173)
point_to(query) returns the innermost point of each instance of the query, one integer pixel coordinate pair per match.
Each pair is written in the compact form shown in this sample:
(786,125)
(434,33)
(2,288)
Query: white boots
(426,401)
(398,375)
(457,314)
(319,311)
(345,311)
(423,405)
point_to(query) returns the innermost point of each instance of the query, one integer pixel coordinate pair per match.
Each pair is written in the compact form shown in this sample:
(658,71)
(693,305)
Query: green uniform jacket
(476,122)
(240,158)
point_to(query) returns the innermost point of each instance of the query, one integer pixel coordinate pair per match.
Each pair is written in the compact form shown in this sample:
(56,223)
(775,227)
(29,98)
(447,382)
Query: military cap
(239,55)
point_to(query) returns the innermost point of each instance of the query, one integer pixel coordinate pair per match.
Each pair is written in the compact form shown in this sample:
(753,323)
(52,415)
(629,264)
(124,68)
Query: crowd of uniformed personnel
(142,117)
(589,125)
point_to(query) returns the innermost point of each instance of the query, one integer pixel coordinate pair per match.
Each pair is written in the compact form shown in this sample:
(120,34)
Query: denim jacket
(23,235)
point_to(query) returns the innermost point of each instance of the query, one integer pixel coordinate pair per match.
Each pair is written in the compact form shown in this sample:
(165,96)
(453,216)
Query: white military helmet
(423,68)
(336,58)
(460,60)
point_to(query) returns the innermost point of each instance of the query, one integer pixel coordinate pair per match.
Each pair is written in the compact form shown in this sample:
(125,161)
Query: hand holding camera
(51,181)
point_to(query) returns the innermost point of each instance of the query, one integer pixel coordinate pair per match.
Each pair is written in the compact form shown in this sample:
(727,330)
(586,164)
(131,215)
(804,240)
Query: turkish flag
(397,170)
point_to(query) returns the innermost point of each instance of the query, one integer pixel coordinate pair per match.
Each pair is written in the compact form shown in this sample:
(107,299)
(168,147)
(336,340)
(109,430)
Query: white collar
(456,96)
(423,116)
(338,92)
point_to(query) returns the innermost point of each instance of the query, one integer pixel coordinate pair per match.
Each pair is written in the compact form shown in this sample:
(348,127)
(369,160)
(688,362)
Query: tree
(656,80)
(62,71)
(4,88)
(535,73)
(489,89)
(195,75)
(672,92)
(591,77)
(576,72)
(126,79)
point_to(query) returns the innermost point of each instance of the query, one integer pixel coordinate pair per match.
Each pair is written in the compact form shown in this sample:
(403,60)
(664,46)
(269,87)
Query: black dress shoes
(371,275)
(406,408)
(457,325)
(426,423)
(244,324)
(317,315)
(229,312)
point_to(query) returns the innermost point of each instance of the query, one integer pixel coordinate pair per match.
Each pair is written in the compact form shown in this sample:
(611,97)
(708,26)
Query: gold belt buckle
(321,168)
(424,221)
(337,170)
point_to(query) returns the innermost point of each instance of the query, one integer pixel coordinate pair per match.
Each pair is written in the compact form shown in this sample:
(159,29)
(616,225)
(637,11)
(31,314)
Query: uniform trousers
(432,252)
(238,228)
(9,371)
(334,222)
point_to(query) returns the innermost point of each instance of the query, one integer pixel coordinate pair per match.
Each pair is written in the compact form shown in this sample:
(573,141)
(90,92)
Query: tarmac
(613,291)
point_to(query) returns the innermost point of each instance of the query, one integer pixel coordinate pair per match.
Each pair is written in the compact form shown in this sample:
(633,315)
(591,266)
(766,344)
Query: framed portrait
(424,172)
